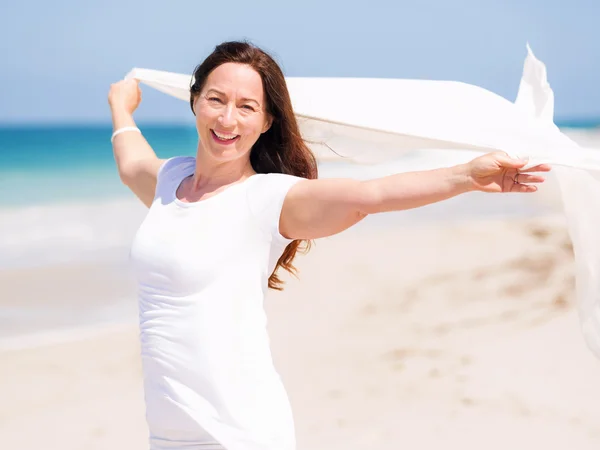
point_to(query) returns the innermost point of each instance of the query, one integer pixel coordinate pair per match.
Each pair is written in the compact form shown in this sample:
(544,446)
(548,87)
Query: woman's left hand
(498,172)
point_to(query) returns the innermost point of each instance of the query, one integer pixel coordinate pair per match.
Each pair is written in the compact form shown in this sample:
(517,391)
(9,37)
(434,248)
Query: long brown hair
(280,149)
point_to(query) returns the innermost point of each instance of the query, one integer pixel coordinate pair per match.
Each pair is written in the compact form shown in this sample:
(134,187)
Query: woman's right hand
(125,95)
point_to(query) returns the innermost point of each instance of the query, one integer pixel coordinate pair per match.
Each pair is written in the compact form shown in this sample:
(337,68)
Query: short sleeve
(266,195)
(170,172)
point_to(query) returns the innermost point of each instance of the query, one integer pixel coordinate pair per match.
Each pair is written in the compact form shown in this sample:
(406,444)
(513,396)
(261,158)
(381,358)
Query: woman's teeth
(225,137)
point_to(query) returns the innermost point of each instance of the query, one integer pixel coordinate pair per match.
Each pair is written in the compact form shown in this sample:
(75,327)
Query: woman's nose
(227,118)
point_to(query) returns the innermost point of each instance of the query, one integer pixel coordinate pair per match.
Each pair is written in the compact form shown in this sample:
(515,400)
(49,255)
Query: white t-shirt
(202,270)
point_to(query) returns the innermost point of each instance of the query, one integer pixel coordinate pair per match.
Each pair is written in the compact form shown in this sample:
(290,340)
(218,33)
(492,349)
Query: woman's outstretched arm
(324,207)
(136,161)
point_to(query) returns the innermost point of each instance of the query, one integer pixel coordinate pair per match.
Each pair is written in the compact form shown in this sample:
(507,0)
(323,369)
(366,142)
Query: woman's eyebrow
(216,91)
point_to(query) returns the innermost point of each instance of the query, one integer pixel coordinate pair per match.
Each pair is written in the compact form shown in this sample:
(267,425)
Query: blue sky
(60,57)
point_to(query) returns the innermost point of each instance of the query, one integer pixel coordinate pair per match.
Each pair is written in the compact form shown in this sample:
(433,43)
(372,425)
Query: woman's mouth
(224,138)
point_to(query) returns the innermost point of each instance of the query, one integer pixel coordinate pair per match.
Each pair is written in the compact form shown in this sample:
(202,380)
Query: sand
(420,337)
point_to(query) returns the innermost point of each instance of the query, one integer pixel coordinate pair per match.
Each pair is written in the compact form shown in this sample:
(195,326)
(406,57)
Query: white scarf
(375,120)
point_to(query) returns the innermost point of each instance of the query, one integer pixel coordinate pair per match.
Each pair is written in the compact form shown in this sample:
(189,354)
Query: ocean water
(48,165)
(60,195)
(61,199)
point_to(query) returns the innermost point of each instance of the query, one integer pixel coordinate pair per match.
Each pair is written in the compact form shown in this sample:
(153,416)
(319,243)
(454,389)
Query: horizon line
(566,122)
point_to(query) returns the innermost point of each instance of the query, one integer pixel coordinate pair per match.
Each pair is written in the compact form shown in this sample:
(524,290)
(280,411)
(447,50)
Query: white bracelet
(123,130)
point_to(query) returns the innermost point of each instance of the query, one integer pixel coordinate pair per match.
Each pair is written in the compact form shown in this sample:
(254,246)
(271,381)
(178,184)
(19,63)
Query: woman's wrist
(462,178)
(122,118)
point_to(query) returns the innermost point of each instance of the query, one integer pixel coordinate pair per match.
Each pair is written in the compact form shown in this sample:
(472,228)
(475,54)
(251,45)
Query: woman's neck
(210,174)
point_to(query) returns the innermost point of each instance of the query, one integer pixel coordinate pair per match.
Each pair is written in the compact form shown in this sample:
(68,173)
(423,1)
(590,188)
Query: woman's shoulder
(276,177)
(269,189)
(271,182)
(265,197)
(175,164)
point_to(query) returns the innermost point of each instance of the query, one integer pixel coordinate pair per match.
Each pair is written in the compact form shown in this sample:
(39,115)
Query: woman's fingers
(522,178)
(524,182)
(523,188)
(538,168)
(125,94)
(506,161)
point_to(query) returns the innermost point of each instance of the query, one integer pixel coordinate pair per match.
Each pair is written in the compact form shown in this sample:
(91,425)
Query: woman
(219,227)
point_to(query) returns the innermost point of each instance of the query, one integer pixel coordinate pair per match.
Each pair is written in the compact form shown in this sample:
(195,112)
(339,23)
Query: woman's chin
(227,154)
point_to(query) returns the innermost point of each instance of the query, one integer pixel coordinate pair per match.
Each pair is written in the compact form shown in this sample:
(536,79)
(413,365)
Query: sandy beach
(461,335)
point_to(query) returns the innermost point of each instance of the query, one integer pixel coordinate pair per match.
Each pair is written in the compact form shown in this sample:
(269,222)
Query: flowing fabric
(371,120)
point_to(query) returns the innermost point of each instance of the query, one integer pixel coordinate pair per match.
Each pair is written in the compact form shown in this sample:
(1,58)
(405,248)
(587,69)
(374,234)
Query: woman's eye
(214,99)
(248,107)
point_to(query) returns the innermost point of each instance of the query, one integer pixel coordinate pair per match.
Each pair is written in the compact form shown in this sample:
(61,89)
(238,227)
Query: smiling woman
(219,227)
(240,100)
(229,114)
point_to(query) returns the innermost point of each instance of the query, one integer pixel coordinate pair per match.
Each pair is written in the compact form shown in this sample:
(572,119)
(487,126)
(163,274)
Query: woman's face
(230,112)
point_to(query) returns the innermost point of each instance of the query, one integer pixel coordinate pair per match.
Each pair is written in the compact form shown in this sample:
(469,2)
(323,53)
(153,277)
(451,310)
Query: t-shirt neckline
(189,172)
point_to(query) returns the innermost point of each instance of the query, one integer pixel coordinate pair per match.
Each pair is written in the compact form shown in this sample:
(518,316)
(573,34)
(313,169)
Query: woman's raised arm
(136,161)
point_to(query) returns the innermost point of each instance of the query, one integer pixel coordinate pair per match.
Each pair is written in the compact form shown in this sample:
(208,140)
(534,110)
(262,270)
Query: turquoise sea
(52,164)
(61,198)
(60,195)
